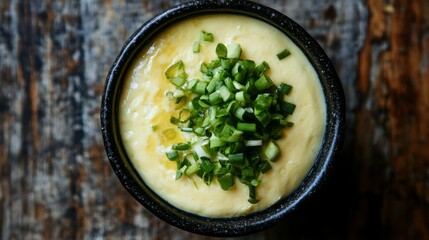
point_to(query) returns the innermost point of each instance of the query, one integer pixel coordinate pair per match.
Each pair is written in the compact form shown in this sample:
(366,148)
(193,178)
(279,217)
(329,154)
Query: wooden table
(56,182)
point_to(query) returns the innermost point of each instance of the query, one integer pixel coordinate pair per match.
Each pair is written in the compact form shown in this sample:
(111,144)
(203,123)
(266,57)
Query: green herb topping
(234,112)
(283,54)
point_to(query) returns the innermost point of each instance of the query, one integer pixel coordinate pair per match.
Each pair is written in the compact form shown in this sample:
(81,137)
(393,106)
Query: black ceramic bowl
(233,226)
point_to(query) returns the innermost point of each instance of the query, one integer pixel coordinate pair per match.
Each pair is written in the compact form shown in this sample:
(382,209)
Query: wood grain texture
(56,182)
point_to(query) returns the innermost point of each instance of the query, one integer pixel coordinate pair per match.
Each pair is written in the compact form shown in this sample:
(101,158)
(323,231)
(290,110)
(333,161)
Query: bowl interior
(233,226)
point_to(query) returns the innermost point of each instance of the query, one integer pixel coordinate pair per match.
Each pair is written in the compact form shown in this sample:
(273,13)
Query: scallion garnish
(237,113)
(196,47)
(206,36)
(283,54)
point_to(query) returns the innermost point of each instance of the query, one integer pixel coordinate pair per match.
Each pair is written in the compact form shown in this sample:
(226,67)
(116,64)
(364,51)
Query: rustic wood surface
(56,182)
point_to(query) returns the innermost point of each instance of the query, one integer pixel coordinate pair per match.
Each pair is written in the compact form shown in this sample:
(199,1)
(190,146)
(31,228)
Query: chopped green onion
(242,96)
(235,111)
(172,155)
(199,88)
(176,73)
(283,54)
(262,68)
(252,195)
(169,133)
(247,174)
(207,166)
(287,107)
(236,159)
(234,50)
(221,50)
(239,113)
(253,143)
(187,129)
(285,88)
(264,166)
(247,127)
(196,47)
(272,152)
(180,172)
(225,93)
(255,182)
(226,181)
(263,83)
(216,142)
(181,146)
(215,98)
(206,36)
(192,169)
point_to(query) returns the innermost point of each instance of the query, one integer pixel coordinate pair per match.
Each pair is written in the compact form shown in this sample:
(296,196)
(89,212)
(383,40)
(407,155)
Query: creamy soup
(145,111)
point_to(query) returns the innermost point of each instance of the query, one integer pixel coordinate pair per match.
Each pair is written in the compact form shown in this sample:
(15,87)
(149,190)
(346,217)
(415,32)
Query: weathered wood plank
(392,172)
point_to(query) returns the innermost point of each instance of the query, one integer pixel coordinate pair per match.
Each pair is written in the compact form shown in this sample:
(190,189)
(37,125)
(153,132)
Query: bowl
(226,226)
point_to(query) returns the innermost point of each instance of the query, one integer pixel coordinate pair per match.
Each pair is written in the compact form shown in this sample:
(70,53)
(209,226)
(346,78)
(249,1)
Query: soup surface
(145,111)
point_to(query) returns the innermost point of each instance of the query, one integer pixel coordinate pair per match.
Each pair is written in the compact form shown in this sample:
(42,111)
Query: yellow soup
(143,105)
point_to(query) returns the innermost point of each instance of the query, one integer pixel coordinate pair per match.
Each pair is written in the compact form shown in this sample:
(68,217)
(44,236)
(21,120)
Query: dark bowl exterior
(234,226)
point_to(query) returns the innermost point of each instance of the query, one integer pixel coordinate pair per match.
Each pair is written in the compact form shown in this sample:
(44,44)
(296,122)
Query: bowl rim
(225,226)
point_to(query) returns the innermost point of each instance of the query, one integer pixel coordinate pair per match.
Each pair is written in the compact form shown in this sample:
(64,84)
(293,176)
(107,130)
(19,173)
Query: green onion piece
(283,54)
(192,169)
(216,142)
(221,50)
(255,182)
(263,83)
(196,47)
(285,88)
(253,143)
(252,195)
(187,129)
(235,136)
(176,73)
(172,155)
(262,102)
(239,113)
(226,181)
(180,172)
(276,134)
(199,88)
(207,166)
(264,166)
(178,93)
(206,36)
(215,98)
(207,178)
(181,146)
(234,50)
(262,68)
(238,85)
(203,68)
(272,152)
(169,133)
(236,159)
(242,96)
(287,107)
(227,63)
(191,83)
(229,84)
(199,131)
(247,127)
(247,174)
(249,65)
(225,93)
